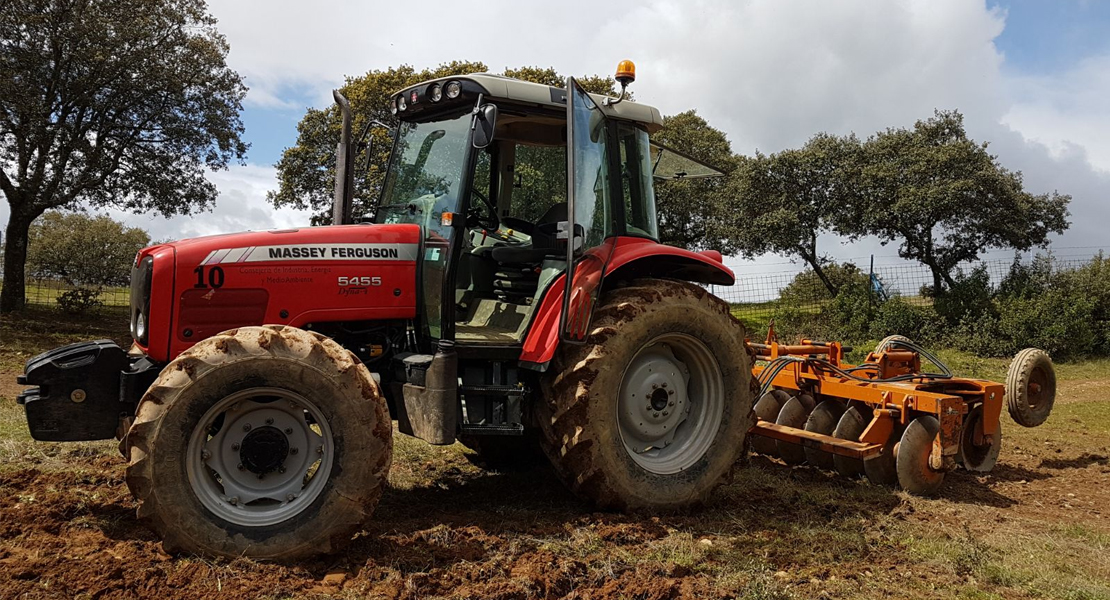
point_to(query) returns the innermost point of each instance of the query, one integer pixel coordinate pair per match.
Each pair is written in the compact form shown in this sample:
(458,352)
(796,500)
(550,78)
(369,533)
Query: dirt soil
(1038,526)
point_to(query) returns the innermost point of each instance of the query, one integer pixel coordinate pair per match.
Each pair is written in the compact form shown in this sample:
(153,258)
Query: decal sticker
(330,252)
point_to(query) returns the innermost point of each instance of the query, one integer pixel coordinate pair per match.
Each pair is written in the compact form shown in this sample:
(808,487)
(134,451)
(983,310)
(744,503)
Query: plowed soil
(1038,526)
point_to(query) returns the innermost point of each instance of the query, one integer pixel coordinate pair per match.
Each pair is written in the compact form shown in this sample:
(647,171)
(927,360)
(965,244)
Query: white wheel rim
(260,456)
(670,403)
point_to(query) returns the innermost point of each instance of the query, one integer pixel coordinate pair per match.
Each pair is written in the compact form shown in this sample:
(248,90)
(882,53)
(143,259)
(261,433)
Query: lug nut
(666,413)
(664,384)
(270,421)
(233,500)
(293,450)
(205,455)
(290,497)
(235,447)
(319,449)
(671,392)
(281,469)
(655,386)
(288,431)
(246,426)
(241,467)
(260,476)
(656,415)
(671,403)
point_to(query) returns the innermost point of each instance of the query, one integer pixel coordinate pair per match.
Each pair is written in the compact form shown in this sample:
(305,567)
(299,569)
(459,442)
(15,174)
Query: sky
(1030,76)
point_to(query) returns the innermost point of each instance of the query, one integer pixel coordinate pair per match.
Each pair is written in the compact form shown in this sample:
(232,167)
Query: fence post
(871,288)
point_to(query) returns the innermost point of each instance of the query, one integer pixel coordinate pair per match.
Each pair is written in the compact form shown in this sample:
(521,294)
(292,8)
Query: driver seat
(518,267)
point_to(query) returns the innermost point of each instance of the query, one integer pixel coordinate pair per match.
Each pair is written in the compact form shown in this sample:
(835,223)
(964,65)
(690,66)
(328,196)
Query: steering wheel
(487,221)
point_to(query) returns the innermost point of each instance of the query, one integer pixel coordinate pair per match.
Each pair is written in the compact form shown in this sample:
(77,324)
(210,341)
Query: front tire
(653,411)
(266,442)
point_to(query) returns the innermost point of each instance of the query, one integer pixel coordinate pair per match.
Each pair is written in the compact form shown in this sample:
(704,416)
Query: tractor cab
(481,163)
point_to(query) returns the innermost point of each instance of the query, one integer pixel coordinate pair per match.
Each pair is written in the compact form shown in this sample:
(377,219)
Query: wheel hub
(655,401)
(670,403)
(260,456)
(264,450)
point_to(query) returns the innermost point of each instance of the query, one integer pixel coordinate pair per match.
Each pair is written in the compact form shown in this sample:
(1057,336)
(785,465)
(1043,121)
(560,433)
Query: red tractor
(510,287)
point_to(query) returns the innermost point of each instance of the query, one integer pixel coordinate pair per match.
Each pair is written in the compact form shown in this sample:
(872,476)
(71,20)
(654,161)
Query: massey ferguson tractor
(511,287)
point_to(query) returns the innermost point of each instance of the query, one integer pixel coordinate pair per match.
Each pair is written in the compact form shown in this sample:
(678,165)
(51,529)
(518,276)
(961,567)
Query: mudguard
(632,258)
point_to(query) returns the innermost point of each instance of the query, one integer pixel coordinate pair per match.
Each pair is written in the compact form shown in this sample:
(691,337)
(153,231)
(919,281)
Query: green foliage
(808,287)
(84,251)
(306,171)
(969,296)
(79,300)
(945,199)
(784,201)
(120,103)
(689,211)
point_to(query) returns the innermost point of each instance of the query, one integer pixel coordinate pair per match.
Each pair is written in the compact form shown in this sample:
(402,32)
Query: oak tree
(121,103)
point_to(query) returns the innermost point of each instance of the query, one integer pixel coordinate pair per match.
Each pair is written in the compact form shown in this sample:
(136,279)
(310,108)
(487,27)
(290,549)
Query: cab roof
(499,87)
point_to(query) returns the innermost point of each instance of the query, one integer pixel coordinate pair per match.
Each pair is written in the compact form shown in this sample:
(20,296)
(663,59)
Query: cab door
(589,231)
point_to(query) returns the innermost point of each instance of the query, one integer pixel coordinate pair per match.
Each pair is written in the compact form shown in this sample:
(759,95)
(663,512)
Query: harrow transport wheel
(915,454)
(883,469)
(978,457)
(891,338)
(266,442)
(768,409)
(794,414)
(1030,387)
(654,410)
(850,426)
(823,420)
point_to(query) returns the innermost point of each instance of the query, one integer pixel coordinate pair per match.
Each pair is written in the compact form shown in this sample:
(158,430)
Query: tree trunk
(816,264)
(12,297)
(938,282)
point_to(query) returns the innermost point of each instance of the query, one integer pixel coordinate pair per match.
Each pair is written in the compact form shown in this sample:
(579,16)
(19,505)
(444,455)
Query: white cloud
(770,73)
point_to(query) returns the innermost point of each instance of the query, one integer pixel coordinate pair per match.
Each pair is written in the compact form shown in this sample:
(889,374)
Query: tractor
(509,291)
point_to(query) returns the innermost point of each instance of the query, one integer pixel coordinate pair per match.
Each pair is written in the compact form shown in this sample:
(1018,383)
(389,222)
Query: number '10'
(215,277)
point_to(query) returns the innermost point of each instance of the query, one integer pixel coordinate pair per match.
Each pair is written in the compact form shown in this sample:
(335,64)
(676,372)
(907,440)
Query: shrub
(970,297)
(808,287)
(898,316)
(79,300)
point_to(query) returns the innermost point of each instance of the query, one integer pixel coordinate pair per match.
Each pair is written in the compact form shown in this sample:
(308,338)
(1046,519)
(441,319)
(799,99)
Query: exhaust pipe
(344,167)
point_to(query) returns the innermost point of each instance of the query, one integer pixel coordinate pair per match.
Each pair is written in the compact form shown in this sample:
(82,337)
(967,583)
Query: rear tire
(654,410)
(256,395)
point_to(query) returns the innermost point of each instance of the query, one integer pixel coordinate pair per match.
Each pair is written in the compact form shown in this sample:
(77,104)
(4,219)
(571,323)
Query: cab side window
(539,180)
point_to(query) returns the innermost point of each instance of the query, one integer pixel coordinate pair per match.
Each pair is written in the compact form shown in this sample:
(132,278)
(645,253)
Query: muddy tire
(254,396)
(1030,387)
(653,411)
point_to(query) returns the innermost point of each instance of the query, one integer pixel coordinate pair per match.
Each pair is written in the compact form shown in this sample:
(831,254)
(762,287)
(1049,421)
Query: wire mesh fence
(759,297)
(58,293)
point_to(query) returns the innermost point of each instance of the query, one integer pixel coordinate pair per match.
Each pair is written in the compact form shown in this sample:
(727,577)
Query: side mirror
(485,121)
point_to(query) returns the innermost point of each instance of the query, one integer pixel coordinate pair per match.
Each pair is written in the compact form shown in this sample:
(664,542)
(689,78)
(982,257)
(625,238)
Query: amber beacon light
(626,74)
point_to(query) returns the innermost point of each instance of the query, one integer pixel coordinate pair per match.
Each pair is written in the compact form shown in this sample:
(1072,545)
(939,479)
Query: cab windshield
(425,172)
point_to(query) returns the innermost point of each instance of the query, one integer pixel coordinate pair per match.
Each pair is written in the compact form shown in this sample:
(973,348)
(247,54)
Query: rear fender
(632,258)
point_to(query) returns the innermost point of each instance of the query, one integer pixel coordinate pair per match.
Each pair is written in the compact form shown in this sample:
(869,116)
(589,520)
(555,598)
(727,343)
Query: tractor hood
(186,291)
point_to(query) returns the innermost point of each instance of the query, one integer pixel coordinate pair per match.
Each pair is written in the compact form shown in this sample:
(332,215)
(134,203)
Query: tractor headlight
(141,280)
(453,90)
(393,106)
(401,104)
(140,326)
(436,93)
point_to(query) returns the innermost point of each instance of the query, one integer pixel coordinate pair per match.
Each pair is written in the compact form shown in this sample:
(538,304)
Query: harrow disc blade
(851,425)
(823,420)
(767,409)
(793,414)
